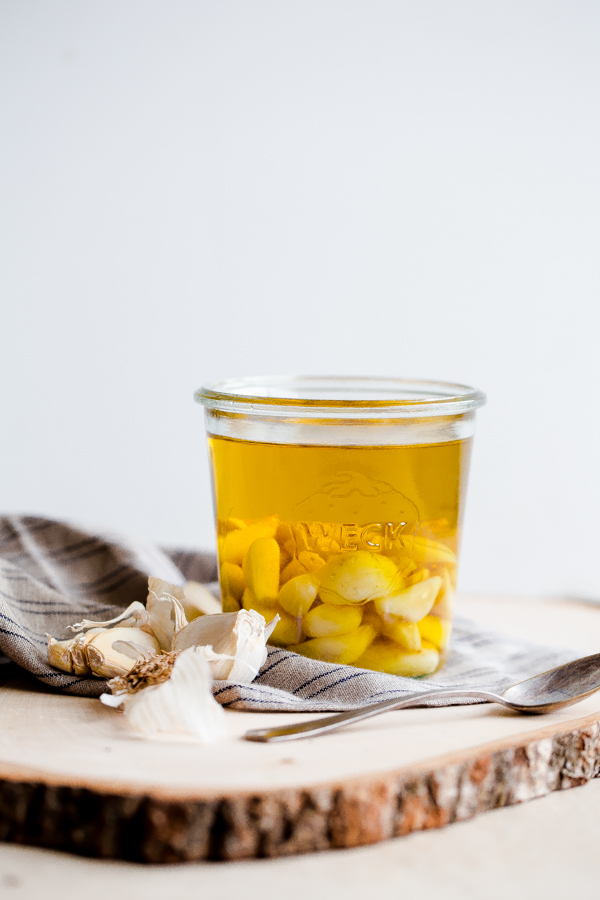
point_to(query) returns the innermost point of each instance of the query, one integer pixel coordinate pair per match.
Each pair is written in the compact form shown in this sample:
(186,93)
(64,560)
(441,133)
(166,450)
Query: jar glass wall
(339,504)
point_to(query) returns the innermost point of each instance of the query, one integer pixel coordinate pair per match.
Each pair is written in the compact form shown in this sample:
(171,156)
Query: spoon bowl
(557,688)
(543,693)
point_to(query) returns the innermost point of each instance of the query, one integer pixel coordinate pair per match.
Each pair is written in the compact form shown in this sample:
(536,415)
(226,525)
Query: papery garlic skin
(163,616)
(79,648)
(182,705)
(134,615)
(164,609)
(59,654)
(134,651)
(144,630)
(238,641)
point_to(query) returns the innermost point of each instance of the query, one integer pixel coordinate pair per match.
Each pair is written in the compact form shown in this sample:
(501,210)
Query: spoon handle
(322,725)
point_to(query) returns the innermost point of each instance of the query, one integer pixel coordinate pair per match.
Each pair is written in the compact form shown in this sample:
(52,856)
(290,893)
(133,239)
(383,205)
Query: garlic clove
(406,634)
(311,561)
(261,569)
(78,651)
(297,595)
(411,603)
(163,616)
(385,655)
(436,631)
(59,654)
(327,619)
(286,629)
(240,636)
(198,600)
(183,704)
(237,542)
(221,664)
(444,602)
(233,585)
(343,649)
(425,550)
(355,578)
(164,608)
(205,630)
(133,650)
(104,660)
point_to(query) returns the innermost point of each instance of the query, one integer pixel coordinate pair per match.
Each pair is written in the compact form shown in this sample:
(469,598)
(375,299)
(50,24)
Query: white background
(192,190)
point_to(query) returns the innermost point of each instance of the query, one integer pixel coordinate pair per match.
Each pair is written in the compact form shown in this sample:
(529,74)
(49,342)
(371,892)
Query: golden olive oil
(354,548)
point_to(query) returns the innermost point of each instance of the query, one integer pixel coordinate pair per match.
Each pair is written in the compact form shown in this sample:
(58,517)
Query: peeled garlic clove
(241,636)
(444,602)
(406,634)
(292,570)
(297,595)
(425,550)
(420,575)
(135,614)
(436,631)
(311,561)
(232,523)
(327,619)
(249,601)
(261,569)
(237,543)
(164,607)
(198,601)
(233,585)
(386,656)
(59,654)
(354,578)
(412,603)
(104,660)
(343,648)
(182,705)
(286,629)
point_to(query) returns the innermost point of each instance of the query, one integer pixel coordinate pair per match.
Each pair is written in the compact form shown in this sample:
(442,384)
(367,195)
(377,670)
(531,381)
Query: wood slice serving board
(74,777)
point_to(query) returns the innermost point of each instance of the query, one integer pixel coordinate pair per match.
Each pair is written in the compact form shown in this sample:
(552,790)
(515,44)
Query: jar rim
(328,395)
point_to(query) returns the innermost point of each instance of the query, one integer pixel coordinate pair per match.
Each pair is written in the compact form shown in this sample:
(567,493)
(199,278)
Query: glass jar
(338,504)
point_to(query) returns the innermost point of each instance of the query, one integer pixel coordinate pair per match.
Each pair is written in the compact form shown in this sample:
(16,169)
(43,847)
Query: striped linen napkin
(53,574)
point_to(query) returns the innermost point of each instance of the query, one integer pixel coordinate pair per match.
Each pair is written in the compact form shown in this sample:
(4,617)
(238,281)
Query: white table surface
(549,848)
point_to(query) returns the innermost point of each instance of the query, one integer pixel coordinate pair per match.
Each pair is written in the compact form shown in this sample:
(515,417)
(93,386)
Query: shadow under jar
(339,504)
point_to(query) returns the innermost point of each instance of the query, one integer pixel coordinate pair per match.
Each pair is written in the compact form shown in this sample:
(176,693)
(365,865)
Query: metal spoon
(560,687)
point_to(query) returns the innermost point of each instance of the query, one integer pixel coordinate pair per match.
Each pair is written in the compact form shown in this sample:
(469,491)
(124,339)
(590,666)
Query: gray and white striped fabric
(53,574)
